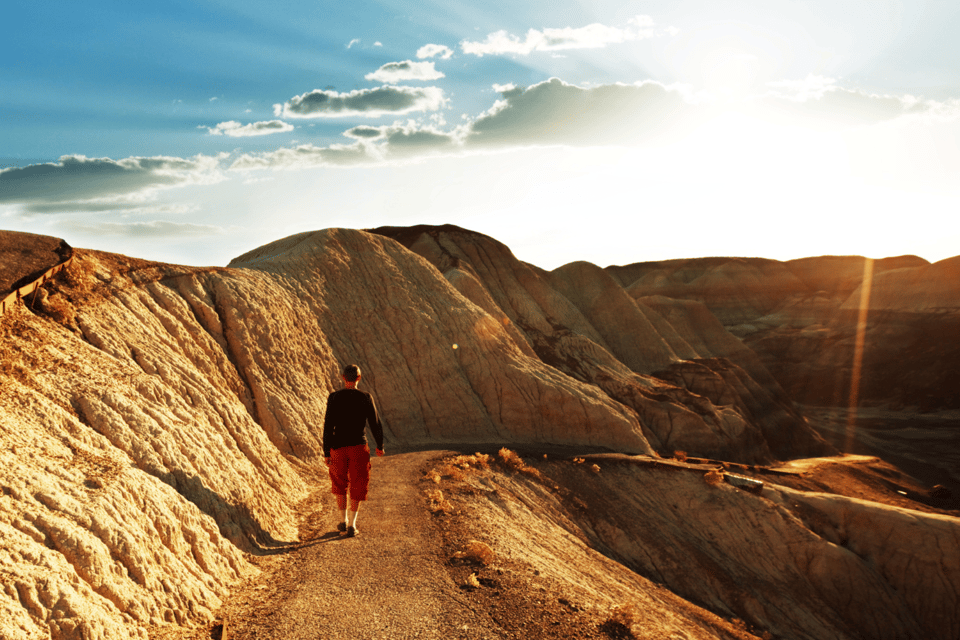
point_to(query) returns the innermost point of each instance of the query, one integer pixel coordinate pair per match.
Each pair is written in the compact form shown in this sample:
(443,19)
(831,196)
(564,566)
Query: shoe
(352,532)
(342,527)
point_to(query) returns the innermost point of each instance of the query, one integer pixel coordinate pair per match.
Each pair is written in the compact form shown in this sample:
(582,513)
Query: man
(345,445)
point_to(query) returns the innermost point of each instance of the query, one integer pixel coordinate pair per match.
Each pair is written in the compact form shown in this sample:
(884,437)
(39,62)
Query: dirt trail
(388,582)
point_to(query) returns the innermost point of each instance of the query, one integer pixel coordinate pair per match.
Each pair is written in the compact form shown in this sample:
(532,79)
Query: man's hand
(379,453)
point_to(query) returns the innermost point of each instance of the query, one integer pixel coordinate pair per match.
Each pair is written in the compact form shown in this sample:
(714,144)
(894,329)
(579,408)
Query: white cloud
(592,36)
(554,112)
(393,72)
(353,42)
(819,100)
(435,50)
(385,100)
(234,129)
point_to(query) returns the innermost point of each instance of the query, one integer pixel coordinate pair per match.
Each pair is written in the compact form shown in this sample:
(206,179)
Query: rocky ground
(451,547)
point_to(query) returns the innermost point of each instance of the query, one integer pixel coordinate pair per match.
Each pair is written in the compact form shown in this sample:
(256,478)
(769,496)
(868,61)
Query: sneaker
(342,527)
(352,532)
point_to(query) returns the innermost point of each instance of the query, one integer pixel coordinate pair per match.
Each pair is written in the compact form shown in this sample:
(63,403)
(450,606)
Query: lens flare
(865,288)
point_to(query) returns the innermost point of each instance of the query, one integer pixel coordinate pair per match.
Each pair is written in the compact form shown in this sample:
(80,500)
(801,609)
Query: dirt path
(388,582)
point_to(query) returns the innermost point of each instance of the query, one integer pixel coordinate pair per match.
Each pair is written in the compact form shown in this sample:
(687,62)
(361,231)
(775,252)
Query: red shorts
(350,468)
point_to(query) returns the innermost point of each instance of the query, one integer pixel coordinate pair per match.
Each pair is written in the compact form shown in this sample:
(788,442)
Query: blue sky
(613,132)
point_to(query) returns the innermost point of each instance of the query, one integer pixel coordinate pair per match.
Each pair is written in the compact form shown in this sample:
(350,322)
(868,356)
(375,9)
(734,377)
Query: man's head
(351,373)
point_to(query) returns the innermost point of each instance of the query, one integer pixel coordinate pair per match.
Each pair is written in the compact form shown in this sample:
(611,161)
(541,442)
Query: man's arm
(374,419)
(327,427)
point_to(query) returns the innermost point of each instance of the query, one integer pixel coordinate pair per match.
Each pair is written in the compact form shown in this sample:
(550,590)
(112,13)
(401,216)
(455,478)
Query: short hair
(351,373)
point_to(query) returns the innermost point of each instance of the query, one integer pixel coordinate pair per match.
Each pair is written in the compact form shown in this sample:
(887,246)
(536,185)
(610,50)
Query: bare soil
(406,574)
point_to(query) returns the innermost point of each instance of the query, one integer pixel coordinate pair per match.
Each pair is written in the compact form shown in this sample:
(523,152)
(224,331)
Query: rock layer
(582,322)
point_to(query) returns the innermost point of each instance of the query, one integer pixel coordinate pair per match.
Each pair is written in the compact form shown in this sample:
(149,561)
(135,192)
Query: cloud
(372,103)
(410,138)
(78,181)
(364,132)
(593,36)
(554,112)
(234,129)
(306,155)
(407,70)
(152,229)
(435,50)
(353,42)
(817,99)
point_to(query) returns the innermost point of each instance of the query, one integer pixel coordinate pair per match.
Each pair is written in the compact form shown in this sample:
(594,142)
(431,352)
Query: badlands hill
(161,423)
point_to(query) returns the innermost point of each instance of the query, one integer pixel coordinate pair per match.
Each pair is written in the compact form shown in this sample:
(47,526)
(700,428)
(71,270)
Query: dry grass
(680,456)
(713,478)
(437,503)
(620,624)
(510,460)
(476,552)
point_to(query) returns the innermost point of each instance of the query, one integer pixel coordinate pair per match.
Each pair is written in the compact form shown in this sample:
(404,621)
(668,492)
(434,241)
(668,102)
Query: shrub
(438,504)
(476,552)
(713,477)
(510,459)
(514,462)
(621,622)
(680,455)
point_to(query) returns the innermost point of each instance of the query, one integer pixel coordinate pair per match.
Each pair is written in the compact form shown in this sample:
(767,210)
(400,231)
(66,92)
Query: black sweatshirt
(348,411)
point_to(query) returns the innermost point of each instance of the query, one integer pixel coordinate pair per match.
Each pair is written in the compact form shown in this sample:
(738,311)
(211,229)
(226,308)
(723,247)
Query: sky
(612,132)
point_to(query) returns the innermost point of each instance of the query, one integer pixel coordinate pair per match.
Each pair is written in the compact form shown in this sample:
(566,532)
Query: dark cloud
(364,132)
(412,140)
(385,100)
(151,229)
(554,112)
(78,178)
(303,156)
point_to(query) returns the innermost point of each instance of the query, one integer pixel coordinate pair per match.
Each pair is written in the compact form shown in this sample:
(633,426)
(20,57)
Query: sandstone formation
(159,422)
(795,564)
(693,386)
(801,318)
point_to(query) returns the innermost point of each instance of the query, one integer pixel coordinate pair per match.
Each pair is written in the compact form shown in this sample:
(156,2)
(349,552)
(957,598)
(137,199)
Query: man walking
(345,445)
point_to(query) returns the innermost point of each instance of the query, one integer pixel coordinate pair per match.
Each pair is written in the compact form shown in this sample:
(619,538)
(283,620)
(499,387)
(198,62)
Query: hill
(161,422)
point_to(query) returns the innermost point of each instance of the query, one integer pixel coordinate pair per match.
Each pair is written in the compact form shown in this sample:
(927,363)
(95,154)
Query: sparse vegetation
(713,477)
(437,503)
(476,552)
(620,624)
(514,462)
(680,456)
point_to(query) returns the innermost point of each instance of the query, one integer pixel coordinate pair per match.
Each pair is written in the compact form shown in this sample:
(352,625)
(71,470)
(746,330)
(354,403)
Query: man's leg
(352,514)
(338,465)
(359,470)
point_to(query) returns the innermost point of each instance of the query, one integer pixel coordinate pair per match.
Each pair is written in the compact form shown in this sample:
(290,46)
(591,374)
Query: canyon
(161,424)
